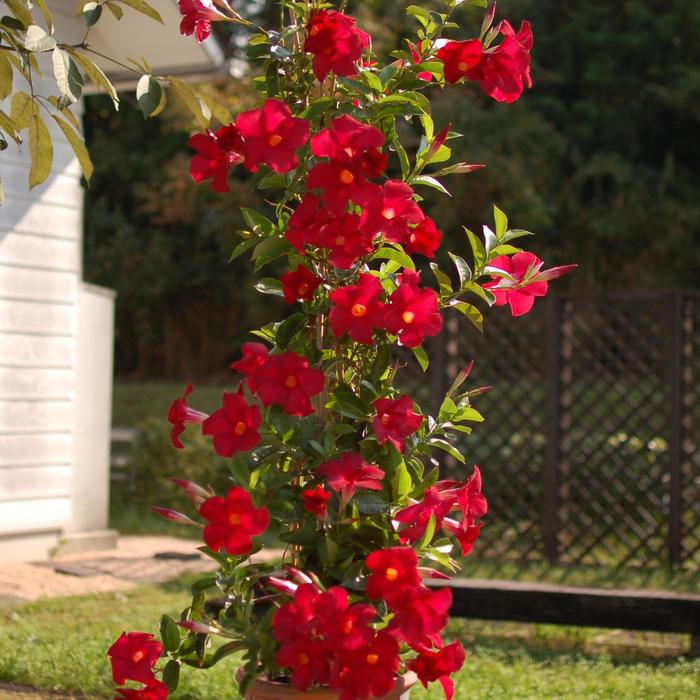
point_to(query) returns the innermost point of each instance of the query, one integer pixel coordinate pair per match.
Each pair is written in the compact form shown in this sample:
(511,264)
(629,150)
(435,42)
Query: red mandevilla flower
(466,532)
(346,238)
(309,660)
(416,517)
(520,298)
(295,618)
(254,357)
(424,239)
(288,381)
(432,666)
(460,58)
(272,136)
(133,656)
(299,284)
(413,312)
(350,472)
(347,139)
(315,501)
(393,573)
(198,16)
(421,615)
(343,182)
(470,499)
(348,628)
(505,70)
(155,690)
(233,521)
(234,427)
(357,309)
(179,414)
(335,43)
(394,210)
(368,671)
(216,154)
(395,421)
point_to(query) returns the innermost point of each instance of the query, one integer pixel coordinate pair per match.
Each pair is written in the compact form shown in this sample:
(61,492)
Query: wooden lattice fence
(591,449)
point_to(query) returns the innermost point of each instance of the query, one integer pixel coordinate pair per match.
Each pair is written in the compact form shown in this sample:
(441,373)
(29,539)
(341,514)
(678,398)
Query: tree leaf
(148,94)
(115,10)
(429,181)
(40,148)
(471,312)
(478,251)
(20,10)
(68,78)
(189,98)
(37,39)
(369,503)
(144,8)
(446,447)
(78,145)
(6,75)
(92,12)
(171,675)
(422,357)
(9,127)
(501,222)
(269,285)
(41,4)
(21,109)
(96,75)
(399,257)
(463,270)
(443,280)
(169,633)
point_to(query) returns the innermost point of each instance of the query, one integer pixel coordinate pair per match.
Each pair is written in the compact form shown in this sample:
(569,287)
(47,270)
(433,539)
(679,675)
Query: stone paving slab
(135,561)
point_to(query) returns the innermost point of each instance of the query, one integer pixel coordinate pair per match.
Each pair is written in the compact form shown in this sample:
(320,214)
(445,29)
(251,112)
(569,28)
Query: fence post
(552,453)
(675,551)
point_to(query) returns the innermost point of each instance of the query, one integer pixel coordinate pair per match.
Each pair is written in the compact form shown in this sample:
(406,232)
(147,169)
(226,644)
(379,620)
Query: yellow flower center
(385,419)
(389,213)
(339,240)
(303,289)
(137,656)
(275,140)
(463,66)
(304,659)
(291,382)
(347,627)
(346,177)
(240,428)
(358,310)
(391,574)
(234,519)
(372,659)
(408,316)
(314,30)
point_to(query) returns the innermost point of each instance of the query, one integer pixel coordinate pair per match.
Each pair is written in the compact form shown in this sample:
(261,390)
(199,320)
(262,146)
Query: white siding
(40,269)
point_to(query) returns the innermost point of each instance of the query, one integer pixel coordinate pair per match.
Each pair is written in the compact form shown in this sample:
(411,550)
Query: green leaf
(516,233)
(479,291)
(467,413)
(478,251)
(370,503)
(428,534)
(243,246)
(401,483)
(68,79)
(429,181)
(96,75)
(270,285)
(501,222)
(257,222)
(463,270)
(40,148)
(268,250)
(144,8)
(115,9)
(398,256)
(20,10)
(148,94)
(9,127)
(92,12)
(443,280)
(490,241)
(171,675)
(422,357)
(189,98)
(471,312)
(403,156)
(169,633)
(78,145)
(41,4)
(288,329)
(38,40)
(21,109)
(344,400)
(446,447)
(6,75)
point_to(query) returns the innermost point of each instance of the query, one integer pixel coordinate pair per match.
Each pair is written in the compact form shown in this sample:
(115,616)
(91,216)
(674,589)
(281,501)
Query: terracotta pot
(261,689)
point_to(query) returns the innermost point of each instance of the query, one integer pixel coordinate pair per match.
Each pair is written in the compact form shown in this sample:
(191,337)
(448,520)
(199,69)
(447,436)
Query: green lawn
(134,402)
(61,644)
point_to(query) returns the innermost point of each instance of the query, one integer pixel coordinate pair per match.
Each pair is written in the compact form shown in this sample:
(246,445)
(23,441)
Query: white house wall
(40,269)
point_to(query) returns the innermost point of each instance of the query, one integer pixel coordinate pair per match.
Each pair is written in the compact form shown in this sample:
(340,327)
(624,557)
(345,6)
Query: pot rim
(403,682)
